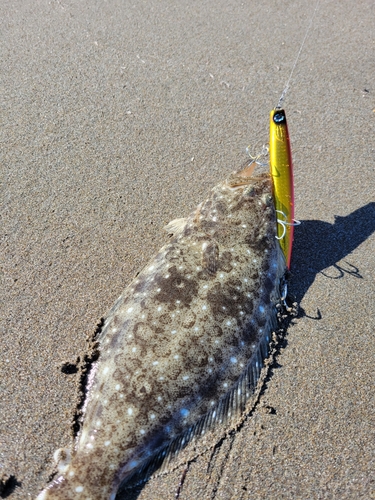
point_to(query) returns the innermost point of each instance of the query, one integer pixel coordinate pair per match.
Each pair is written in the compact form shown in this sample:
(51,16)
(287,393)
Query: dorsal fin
(227,410)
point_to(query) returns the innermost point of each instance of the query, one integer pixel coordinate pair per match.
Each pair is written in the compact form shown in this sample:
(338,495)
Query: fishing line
(264,152)
(283,93)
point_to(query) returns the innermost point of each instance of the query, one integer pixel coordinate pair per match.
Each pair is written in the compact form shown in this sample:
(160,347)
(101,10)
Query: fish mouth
(247,171)
(245,176)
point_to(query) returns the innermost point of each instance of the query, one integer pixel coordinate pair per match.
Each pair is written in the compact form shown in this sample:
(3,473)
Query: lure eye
(279,117)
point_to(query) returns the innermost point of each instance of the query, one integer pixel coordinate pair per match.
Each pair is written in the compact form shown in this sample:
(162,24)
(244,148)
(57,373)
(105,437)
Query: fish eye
(267,199)
(249,191)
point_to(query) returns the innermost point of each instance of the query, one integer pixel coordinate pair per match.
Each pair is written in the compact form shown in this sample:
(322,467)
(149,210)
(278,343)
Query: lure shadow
(320,246)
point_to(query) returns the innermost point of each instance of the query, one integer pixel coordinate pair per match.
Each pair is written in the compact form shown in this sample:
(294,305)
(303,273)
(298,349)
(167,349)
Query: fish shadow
(8,485)
(320,247)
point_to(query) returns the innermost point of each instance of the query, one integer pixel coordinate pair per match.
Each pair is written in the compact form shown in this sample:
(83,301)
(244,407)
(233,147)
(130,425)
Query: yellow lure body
(282,180)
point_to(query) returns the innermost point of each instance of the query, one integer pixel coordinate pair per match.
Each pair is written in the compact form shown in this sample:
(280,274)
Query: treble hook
(256,158)
(284,223)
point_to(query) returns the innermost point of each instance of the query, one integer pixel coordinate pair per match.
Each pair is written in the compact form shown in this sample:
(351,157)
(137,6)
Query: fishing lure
(281,168)
(182,349)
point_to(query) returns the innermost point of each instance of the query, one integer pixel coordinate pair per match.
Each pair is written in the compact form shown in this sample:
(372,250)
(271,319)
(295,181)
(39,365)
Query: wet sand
(118,117)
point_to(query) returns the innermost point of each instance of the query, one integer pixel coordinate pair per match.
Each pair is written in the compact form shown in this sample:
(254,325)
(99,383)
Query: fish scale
(182,348)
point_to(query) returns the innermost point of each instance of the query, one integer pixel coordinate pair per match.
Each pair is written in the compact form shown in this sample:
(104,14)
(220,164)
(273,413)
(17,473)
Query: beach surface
(118,117)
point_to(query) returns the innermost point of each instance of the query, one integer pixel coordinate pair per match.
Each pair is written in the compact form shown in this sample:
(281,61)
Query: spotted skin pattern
(179,337)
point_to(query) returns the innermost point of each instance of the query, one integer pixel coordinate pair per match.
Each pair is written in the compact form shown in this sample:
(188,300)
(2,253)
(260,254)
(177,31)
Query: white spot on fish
(79,489)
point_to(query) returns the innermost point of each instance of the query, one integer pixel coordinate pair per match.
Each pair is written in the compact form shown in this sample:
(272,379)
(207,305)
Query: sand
(118,117)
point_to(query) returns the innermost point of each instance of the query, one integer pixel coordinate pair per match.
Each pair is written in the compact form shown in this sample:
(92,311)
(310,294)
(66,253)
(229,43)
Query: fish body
(281,167)
(182,348)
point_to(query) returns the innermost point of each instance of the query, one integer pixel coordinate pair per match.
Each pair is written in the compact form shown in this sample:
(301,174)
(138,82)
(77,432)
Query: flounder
(182,348)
